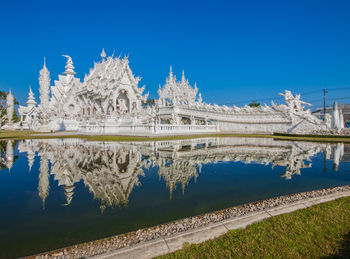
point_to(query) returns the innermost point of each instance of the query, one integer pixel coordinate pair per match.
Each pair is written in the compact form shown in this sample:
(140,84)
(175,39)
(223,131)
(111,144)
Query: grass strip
(320,231)
(16,135)
(310,135)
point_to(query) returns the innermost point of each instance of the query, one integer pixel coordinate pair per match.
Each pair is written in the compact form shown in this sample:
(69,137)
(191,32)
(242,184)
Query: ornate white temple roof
(31,104)
(178,92)
(111,72)
(31,99)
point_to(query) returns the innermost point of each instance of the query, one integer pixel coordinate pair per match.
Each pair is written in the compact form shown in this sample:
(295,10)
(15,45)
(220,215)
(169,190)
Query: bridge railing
(147,128)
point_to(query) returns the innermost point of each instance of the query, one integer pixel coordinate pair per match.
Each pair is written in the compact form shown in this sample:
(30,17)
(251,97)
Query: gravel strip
(171,228)
(342,132)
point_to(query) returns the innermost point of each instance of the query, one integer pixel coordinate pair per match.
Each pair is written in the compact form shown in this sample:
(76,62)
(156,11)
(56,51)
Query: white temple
(110,101)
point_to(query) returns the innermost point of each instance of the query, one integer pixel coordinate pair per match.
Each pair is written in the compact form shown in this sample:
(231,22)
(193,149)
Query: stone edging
(169,237)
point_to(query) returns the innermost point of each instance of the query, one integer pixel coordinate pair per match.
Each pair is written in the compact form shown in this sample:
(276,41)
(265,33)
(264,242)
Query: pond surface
(59,192)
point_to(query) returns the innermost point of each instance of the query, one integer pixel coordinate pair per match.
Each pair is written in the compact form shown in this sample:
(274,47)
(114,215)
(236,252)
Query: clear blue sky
(234,50)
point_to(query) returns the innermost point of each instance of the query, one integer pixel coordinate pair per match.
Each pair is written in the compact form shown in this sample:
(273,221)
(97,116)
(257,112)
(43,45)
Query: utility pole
(324,104)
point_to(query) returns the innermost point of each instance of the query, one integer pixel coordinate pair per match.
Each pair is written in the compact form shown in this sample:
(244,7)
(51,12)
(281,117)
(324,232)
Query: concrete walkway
(165,245)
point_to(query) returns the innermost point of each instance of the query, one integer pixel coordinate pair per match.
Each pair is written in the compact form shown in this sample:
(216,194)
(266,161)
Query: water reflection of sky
(64,191)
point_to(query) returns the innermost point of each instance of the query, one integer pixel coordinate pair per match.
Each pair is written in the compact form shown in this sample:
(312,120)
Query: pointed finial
(103,53)
(170,78)
(31,99)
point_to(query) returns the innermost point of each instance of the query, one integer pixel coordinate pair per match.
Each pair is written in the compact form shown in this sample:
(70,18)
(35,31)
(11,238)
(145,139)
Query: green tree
(149,103)
(15,117)
(254,104)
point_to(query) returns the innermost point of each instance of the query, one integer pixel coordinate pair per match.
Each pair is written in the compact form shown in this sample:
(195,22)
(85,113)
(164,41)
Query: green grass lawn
(4,135)
(321,231)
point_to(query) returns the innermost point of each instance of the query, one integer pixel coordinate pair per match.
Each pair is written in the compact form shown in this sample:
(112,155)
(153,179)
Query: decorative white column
(9,107)
(44,89)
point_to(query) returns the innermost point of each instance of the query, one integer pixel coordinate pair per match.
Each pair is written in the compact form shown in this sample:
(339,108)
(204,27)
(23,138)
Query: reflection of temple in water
(111,170)
(7,157)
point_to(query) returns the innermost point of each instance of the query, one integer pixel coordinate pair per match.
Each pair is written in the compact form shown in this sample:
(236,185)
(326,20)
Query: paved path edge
(165,245)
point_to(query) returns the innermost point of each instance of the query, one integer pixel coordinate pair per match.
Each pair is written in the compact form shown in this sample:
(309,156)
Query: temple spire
(171,74)
(183,79)
(31,99)
(103,54)
(44,83)
(69,66)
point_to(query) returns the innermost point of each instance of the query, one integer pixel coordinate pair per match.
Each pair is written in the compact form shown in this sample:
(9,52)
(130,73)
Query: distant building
(344,107)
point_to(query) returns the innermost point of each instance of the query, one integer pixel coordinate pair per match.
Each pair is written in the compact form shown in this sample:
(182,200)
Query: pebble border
(140,236)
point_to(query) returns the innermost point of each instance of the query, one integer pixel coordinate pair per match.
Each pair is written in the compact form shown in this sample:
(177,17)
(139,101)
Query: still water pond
(59,192)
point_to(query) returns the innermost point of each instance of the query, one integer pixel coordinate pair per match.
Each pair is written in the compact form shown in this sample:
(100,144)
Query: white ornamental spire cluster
(69,66)
(31,99)
(338,117)
(178,92)
(44,82)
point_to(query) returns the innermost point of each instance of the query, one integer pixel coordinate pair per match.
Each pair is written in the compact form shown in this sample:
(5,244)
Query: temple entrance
(122,102)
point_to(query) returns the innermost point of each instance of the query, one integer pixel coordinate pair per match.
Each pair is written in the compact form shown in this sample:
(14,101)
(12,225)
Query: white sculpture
(341,119)
(294,103)
(9,107)
(336,123)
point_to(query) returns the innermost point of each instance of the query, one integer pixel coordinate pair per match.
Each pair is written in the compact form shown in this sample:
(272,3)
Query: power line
(277,98)
(331,99)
